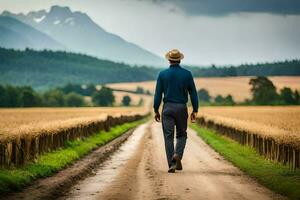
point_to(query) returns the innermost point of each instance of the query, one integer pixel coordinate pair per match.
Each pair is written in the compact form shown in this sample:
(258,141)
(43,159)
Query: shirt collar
(174,65)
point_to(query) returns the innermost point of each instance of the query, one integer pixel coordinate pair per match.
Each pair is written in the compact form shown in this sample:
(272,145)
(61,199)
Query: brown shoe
(177,159)
(172,168)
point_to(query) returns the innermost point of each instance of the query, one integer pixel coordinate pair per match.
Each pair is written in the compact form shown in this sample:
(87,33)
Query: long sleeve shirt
(175,83)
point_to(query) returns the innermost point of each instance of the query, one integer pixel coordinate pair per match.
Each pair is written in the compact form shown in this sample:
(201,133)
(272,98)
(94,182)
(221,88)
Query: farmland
(18,121)
(135,98)
(39,130)
(32,120)
(238,87)
(26,133)
(283,118)
(272,131)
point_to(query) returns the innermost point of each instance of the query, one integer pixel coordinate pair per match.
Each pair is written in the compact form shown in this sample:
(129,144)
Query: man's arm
(157,97)
(193,93)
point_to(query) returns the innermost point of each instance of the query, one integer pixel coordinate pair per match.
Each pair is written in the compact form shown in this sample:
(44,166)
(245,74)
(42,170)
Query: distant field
(238,87)
(279,122)
(135,98)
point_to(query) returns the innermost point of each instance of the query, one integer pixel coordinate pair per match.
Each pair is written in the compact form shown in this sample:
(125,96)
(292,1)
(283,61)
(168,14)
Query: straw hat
(174,55)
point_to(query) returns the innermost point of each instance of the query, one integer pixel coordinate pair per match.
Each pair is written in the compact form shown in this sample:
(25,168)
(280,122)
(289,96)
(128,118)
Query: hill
(282,68)
(79,33)
(46,68)
(15,34)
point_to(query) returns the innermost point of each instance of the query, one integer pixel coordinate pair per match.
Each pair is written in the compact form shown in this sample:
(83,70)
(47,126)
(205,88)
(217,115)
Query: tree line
(26,96)
(263,92)
(47,69)
(282,68)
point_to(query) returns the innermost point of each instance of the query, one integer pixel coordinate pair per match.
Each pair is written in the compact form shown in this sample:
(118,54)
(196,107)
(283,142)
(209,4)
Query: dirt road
(139,171)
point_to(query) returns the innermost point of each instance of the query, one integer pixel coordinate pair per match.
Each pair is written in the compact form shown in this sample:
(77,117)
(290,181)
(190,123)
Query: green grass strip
(276,176)
(49,163)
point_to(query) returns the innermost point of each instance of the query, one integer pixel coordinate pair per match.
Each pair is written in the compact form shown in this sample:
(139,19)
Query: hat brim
(174,59)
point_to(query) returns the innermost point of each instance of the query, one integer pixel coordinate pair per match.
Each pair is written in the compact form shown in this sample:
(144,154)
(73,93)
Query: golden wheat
(272,131)
(283,117)
(282,123)
(17,122)
(27,133)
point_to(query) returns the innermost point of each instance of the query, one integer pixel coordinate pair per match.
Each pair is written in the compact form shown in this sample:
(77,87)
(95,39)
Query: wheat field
(20,121)
(280,123)
(28,132)
(238,87)
(273,131)
(135,98)
(283,117)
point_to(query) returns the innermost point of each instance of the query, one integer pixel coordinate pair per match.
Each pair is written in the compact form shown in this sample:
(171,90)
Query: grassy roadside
(275,176)
(49,163)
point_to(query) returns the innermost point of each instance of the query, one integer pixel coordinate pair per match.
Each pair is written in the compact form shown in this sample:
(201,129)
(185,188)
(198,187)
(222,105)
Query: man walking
(175,83)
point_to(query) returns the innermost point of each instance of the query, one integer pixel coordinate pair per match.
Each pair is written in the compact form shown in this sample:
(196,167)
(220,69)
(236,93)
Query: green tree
(148,92)
(287,96)
(28,97)
(203,95)
(228,100)
(72,88)
(263,90)
(3,97)
(13,96)
(139,90)
(219,99)
(89,90)
(297,97)
(74,100)
(126,100)
(103,97)
(54,98)
(141,102)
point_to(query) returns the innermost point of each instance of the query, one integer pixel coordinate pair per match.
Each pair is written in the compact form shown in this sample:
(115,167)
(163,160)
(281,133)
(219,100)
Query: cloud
(225,7)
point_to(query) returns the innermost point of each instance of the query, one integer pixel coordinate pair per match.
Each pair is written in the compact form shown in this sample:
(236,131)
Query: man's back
(175,83)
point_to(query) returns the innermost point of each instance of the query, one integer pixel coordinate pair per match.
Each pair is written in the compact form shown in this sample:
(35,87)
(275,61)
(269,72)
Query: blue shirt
(175,83)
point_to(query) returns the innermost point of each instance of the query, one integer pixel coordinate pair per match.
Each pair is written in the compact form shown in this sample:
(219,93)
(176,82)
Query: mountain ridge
(79,33)
(16,34)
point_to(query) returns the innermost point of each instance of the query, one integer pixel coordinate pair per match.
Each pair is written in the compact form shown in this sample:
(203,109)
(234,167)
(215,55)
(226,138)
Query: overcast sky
(206,31)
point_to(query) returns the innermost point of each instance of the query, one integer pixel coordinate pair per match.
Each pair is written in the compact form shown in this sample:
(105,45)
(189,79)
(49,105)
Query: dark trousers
(174,114)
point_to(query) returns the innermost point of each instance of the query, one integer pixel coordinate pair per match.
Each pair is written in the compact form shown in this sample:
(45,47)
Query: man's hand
(193,117)
(157,117)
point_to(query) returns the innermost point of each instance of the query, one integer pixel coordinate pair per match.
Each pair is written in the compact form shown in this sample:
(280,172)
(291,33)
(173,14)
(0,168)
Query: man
(175,83)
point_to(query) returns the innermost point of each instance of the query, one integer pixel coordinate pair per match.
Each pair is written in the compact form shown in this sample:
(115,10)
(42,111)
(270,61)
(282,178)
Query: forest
(47,69)
(283,68)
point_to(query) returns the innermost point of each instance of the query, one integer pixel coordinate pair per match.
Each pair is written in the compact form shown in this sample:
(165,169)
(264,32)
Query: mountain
(44,69)
(15,34)
(79,33)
